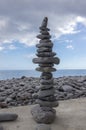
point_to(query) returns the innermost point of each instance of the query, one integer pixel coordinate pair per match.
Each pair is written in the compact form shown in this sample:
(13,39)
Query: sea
(9,74)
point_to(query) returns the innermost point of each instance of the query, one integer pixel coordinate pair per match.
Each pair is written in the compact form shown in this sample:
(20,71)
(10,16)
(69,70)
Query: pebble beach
(23,91)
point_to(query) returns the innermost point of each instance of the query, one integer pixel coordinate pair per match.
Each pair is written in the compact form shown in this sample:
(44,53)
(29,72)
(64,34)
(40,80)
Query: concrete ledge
(71,115)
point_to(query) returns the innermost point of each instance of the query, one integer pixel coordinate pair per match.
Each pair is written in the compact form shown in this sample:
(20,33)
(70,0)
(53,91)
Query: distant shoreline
(9,74)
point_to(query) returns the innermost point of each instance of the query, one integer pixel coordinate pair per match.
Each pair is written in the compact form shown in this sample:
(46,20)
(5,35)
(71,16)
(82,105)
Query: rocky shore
(23,91)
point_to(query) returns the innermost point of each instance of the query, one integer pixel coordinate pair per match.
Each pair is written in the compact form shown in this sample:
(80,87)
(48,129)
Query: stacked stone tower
(44,112)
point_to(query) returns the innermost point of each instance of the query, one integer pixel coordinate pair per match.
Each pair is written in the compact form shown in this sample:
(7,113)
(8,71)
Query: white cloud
(12,47)
(69,47)
(20,19)
(30,56)
(68,41)
(1,48)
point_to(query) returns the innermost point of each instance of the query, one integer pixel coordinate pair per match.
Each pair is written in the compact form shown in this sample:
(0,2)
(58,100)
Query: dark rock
(44,22)
(45,40)
(50,98)
(43,115)
(46,54)
(47,103)
(46,65)
(41,36)
(66,88)
(44,29)
(23,77)
(44,32)
(46,60)
(45,69)
(44,49)
(3,105)
(46,76)
(47,82)
(45,93)
(49,44)
(8,117)
(44,87)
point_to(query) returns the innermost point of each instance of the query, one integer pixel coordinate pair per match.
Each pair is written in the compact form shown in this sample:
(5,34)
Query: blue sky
(19,25)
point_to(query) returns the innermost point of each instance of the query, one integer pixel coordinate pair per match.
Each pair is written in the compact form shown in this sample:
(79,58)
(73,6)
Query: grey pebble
(8,117)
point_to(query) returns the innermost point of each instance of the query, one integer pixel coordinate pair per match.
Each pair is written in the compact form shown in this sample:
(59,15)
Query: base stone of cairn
(44,112)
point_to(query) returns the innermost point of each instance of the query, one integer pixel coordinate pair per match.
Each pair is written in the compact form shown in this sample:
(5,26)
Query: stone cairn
(44,112)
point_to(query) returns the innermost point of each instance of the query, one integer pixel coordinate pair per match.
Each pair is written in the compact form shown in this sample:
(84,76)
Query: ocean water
(9,74)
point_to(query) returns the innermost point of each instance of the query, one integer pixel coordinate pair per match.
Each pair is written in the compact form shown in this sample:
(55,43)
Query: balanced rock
(43,114)
(49,44)
(45,93)
(49,98)
(46,65)
(44,49)
(46,76)
(44,87)
(47,103)
(46,54)
(43,36)
(44,60)
(45,69)
(46,82)
(45,40)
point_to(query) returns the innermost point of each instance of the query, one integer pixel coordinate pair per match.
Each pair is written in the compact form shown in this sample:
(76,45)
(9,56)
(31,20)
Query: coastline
(23,91)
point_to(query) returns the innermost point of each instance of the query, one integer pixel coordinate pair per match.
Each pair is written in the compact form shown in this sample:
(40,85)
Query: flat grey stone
(44,22)
(44,87)
(49,99)
(46,44)
(45,69)
(44,49)
(46,65)
(46,82)
(46,54)
(46,76)
(8,117)
(41,36)
(45,40)
(47,103)
(46,93)
(43,114)
(44,60)
(66,88)
(44,28)
(44,32)
(43,127)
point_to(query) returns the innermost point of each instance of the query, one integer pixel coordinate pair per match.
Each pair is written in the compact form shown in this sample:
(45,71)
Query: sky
(19,26)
